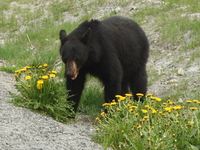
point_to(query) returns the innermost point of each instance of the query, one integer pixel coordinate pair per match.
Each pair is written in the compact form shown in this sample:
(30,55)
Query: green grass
(92,98)
(154,124)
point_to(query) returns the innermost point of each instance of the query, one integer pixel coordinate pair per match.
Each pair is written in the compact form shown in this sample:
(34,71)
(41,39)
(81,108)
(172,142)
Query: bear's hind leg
(124,87)
(138,83)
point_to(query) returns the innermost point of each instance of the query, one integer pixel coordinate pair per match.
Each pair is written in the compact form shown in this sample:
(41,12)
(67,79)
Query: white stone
(181,71)
(193,69)
(117,9)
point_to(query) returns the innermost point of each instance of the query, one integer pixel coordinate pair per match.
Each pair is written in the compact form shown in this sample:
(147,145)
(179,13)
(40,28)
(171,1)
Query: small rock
(181,72)
(193,69)
(117,9)
(175,85)
(180,100)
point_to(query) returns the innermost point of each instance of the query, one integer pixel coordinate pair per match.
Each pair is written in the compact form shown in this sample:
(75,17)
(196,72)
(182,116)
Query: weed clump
(40,90)
(154,124)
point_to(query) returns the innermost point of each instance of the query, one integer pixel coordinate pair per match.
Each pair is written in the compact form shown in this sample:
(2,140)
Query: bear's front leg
(112,88)
(75,88)
(112,78)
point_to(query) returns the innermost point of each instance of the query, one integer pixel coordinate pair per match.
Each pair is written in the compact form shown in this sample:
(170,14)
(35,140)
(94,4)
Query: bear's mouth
(72,70)
(74,76)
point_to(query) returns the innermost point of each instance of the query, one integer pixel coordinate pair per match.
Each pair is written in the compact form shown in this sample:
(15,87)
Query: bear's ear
(86,36)
(63,35)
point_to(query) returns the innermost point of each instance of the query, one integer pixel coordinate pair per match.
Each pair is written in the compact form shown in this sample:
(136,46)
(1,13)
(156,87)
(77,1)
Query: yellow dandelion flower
(122,131)
(133,107)
(191,122)
(158,99)
(45,65)
(173,134)
(153,111)
(152,127)
(27,77)
(146,117)
(144,111)
(39,86)
(177,107)
(153,98)
(140,94)
(102,114)
(17,71)
(44,70)
(165,104)
(23,69)
(151,108)
(130,110)
(146,106)
(169,109)
(53,71)
(138,127)
(45,77)
(128,95)
(193,108)
(188,101)
(40,82)
(118,96)
(52,75)
(28,67)
(149,95)
(40,66)
(166,124)
(118,109)
(136,114)
(121,98)
(142,120)
(196,101)
(29,86)
(149,139)
(106,104)
(113,103)
(97,118)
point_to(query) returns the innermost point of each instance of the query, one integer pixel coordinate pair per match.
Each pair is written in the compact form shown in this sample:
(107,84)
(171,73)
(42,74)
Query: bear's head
(74,52)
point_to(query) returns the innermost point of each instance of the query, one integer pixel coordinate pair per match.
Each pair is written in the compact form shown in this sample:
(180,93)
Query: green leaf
(193,147)
(36,105)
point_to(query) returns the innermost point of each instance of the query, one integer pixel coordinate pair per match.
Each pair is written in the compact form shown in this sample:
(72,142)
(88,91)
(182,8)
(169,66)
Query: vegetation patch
(41,91)
(154,124)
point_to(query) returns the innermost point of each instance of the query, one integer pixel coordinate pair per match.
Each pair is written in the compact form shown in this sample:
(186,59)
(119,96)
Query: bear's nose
(71,70)
(72,76)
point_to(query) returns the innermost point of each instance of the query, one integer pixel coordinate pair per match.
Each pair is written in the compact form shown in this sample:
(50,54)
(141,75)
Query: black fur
(115,50)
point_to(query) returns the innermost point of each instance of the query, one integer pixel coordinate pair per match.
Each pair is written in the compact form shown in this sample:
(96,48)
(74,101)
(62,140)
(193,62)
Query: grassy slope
(30,30)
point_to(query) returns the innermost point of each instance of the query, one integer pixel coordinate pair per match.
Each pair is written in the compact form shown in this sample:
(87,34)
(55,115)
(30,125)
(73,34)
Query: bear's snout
(71,70)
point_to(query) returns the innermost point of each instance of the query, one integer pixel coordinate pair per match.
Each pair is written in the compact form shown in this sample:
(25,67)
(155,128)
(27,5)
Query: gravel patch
(21,129)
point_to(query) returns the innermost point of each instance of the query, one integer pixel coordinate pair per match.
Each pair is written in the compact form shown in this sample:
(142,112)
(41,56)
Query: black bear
(115,50)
